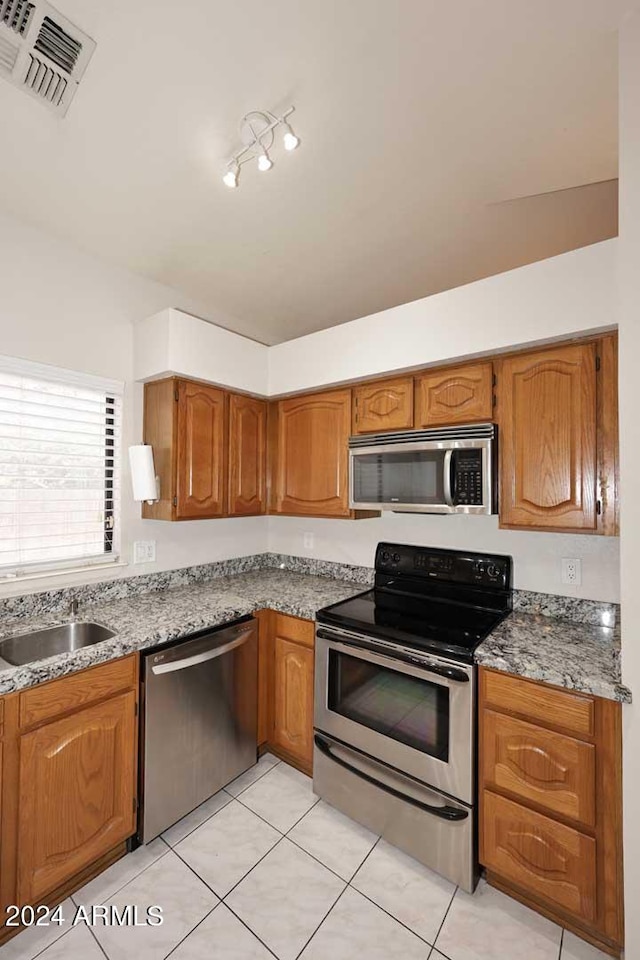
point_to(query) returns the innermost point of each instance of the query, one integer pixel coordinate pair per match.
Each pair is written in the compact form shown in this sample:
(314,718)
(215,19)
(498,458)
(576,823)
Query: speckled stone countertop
(143,621)
(578,656)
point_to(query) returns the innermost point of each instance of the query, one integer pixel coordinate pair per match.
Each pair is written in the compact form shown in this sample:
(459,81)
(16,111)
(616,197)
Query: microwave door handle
(448,496)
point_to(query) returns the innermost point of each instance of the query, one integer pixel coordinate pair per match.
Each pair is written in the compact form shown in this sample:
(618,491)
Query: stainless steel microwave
(444,470)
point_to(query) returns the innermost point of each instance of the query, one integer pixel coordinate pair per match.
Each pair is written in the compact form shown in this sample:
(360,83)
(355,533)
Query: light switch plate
(308,541)
(144,551)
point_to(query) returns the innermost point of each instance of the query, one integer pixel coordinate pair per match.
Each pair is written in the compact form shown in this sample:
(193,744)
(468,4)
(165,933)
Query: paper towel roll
(143,474)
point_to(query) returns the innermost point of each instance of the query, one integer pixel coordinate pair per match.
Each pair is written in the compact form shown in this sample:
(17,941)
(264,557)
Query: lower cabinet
(285,711)
(70,779)
(551,802)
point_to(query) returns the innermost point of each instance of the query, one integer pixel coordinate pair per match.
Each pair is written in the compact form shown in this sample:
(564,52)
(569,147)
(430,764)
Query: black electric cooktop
(442,601)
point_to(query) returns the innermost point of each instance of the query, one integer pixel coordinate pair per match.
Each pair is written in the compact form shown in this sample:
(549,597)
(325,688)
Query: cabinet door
(201,467)
(293,699)
(383,405)
(77,793)
(247,456)
(312,450)
(540,856)
(457,395)
(547,413)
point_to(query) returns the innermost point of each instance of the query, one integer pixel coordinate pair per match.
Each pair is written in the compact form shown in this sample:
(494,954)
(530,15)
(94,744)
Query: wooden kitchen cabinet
(548,443)
(69,782)
(285,687)
(247,456)
(462,394)
(550,809)
(202,451)
(310,455)
(209,449)
(77,793)
(383,405)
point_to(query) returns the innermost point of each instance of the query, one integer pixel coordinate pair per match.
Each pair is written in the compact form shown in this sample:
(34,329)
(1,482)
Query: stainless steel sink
(28,647)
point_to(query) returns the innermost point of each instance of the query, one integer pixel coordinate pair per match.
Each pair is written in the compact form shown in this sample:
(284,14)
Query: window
(59,468)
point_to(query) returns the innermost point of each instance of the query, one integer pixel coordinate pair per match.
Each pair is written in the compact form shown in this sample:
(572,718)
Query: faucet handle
(73,607)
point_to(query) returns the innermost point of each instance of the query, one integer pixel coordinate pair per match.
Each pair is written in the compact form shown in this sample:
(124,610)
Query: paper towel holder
(145,483)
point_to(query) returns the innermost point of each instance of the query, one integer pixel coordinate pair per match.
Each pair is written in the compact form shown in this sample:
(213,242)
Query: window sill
(62,572)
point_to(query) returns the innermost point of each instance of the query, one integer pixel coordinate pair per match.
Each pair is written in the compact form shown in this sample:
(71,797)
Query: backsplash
(572,609)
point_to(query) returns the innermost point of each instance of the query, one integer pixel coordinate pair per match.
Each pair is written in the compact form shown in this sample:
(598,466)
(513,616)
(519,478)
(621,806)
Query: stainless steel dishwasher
(198,723)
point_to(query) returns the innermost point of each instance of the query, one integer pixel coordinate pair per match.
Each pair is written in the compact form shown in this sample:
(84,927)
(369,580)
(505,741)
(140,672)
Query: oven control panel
(453,566)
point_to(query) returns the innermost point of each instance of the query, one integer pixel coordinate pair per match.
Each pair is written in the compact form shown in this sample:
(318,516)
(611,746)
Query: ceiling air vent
(42,52)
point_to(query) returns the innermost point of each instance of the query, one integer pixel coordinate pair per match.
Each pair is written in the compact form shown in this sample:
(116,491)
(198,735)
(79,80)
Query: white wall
(629,309)
(557,297)
(175,342)
(62,307)
(537,556)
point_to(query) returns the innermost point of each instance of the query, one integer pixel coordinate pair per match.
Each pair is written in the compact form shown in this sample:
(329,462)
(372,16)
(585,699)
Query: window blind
(59,467)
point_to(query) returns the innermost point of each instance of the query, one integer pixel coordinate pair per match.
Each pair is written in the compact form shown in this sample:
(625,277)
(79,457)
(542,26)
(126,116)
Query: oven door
(417,717)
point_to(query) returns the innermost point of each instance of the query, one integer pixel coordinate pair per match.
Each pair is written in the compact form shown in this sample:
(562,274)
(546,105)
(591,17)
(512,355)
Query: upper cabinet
(209,451)
(202,448)
(548,443)
(310,468)
(383,405)
(247,456)
(456,395)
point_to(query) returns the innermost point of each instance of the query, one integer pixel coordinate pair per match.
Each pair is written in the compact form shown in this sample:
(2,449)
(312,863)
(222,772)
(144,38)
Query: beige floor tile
(227,846)
(285,898)
(406,889)
(184,827)
(184,900)
(281,797)
(492,926)
(221,936)
(356,928)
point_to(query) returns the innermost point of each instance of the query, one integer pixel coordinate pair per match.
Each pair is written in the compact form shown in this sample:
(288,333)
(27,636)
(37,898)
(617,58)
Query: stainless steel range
(395,691)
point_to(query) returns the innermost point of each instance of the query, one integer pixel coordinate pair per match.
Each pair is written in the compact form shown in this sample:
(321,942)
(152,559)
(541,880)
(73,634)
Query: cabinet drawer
(62,696)
(540,856)
(550,769)
(294,628)
(537,701)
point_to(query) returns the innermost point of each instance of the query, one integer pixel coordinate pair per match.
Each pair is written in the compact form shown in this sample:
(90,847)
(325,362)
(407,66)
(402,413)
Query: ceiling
(422,124)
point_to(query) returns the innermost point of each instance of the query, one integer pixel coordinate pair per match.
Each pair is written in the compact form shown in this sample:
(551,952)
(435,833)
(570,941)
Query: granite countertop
(578,656)
(146,620)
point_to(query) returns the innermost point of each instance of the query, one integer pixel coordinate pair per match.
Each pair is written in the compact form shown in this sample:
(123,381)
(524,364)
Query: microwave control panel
(467,473)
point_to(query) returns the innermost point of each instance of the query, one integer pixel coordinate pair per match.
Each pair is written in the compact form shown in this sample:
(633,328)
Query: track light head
(230,179)
(290,140)
(264,160)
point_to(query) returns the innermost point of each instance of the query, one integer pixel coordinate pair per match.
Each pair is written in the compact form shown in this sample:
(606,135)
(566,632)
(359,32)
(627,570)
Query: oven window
(399,477)
(407,709)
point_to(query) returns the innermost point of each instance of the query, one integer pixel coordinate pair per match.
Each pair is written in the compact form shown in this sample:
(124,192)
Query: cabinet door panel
(201,467)
(77,793)
(383,405)
(293,699)
(548,438)
(247,456)
(460,395)
(554,771)
(538,854)
(312,469)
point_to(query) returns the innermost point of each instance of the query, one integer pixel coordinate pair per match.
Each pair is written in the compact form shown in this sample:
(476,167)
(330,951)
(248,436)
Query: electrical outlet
(144,551)
(308,541)
(571,572)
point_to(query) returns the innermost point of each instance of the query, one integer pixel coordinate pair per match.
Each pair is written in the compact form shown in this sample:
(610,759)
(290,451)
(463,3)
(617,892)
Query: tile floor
(267,869)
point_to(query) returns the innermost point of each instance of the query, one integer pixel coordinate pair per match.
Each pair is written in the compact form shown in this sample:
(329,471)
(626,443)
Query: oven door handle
(450,673)
(444,813)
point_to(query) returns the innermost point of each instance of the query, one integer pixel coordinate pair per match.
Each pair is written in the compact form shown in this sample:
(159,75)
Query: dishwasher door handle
(204,656)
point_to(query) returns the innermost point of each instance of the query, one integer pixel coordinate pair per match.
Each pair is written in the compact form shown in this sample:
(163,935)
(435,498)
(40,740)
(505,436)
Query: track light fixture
(257,133)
